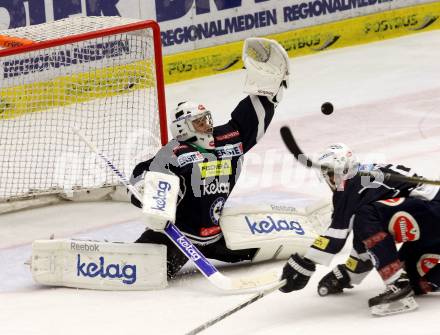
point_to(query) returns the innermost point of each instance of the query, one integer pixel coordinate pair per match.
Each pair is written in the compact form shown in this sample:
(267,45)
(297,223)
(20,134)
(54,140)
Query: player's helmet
(193,122)
(337,164)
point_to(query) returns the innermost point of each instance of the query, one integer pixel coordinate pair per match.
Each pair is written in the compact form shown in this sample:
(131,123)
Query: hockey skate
(398,298)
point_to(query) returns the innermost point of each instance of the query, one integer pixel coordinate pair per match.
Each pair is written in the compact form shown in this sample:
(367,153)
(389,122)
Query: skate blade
(401,306)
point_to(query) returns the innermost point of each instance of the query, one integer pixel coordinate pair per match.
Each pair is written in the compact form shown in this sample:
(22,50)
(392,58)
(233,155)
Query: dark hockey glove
(334,281)
(297,273)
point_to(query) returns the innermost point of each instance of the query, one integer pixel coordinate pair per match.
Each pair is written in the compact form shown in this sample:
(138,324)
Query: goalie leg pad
(278,231)
(99,265)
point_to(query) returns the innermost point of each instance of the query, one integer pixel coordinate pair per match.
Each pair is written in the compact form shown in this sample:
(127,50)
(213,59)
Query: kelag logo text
(92,270)
(270,225)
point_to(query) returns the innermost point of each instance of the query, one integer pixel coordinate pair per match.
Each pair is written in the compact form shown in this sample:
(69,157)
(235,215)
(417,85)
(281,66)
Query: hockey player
(380,214)
(207,159)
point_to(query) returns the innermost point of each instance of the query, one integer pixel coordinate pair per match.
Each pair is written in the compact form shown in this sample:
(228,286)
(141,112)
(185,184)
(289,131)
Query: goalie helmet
(192,122)
(337,165)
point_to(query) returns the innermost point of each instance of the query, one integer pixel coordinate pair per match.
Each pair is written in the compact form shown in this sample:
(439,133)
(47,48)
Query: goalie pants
(176,259)
(379,226)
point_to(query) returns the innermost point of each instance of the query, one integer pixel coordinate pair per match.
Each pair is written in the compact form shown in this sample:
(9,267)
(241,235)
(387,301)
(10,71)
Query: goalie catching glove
(297,273)
(267,66)
(159,200)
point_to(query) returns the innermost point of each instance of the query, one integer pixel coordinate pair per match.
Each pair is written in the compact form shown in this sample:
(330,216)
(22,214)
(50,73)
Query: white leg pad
(99,265)
(277,231)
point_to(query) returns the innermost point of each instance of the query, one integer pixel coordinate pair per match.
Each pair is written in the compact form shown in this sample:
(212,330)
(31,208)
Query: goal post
(103,75)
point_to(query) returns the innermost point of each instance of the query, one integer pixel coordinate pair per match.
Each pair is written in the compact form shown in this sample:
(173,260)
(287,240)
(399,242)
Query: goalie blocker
(99,265)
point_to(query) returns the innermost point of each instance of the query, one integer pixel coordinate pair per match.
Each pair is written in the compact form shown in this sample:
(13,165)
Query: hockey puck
(327,108)
(322,291)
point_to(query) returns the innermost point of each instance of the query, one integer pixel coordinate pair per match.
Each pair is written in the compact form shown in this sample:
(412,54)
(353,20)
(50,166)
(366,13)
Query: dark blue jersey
(207,177)
(357,192)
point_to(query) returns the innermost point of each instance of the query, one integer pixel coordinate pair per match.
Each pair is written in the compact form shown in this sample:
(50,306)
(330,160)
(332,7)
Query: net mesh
(105,86)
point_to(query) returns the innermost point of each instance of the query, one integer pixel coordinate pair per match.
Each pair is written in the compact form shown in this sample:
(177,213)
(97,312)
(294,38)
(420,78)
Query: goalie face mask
(201,123)
(193,123)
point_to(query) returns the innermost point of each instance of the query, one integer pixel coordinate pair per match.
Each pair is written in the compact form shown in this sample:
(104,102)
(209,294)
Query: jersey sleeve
(422,191)
(251,118)
(327,245)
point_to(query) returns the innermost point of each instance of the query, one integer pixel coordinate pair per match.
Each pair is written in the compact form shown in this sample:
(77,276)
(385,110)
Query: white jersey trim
(337,233)
(363,257)
(357,278)
(261,113)
(425,192)
(318,256)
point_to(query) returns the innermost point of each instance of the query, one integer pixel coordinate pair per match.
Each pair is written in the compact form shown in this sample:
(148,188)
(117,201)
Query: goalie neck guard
(192,122)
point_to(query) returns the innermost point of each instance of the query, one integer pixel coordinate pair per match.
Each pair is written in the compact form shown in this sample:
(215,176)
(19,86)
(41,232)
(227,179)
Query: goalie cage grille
(102,75)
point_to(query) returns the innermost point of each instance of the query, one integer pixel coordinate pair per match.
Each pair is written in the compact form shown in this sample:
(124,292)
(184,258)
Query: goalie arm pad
(267,68)
(161,192)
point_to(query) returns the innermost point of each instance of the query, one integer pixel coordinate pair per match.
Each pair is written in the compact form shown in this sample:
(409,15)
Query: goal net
(102,75)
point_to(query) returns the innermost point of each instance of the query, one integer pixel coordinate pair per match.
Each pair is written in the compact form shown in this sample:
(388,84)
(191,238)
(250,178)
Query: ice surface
(386,97)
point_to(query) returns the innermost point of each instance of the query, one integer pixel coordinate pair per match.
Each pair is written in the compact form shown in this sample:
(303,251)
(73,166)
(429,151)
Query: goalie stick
(290,142)
(222,282)
(231,311)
